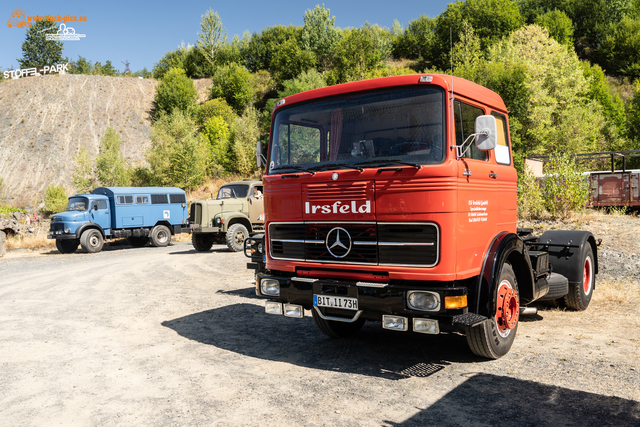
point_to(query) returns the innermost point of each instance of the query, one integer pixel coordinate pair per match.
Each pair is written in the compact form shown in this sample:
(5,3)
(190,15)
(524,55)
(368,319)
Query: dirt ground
(169,336)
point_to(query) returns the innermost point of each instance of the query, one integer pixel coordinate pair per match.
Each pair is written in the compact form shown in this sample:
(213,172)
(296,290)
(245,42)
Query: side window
(142,200)
(99,204)
(256,192)
(159,199)
(177,198)
(503,155)
(124,200)
(465,118)
(298,144)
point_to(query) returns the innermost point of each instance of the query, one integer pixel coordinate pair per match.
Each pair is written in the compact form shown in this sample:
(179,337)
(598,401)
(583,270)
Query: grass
(34,241)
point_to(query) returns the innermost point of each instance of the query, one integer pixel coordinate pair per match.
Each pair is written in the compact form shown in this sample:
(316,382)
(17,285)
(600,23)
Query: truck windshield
(233,191)
(400,125)
(78,204)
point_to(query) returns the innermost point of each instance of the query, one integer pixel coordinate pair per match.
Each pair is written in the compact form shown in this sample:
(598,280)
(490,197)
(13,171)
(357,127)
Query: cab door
(477,202)
(100,214)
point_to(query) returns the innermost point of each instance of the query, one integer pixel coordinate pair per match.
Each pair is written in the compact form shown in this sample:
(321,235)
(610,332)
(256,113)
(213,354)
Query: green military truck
(237,211)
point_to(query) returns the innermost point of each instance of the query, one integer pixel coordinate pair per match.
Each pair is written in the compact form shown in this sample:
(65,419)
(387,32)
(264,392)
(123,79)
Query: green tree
(566,189)
(290,60)
(212,36)
(84,179)
(416,42)
(37,51)
(111,167)
(491,20)
(216,132)
(559,25)
(217,107)
(81,66)
(108,70)
(319,35)
(621,48)
(178,155)
(355,55)
(261,48)
(467,54)
(171,59)
(175,92)
(633,116)
(55,198)
(234,84)
(244,136)
(556,112)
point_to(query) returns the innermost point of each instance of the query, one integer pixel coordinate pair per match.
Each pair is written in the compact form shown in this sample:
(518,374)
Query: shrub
(55,199)
(111,167)
(530,197)
(175,92)
(566,188)
(235,85)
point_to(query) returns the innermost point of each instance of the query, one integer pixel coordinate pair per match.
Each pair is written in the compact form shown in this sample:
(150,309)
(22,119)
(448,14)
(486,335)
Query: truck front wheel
(579,294)
(235,237)
(336,329)
(92,241)
(493,338)
(160,236)
(202,242)
(67,246)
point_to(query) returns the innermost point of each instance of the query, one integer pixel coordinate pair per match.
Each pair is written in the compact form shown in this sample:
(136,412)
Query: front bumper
(375,300)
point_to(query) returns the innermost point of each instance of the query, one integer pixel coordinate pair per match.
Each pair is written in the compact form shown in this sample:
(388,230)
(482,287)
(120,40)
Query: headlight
(218,221)
(424,301)
(270,287)
(66,230)
(260,247)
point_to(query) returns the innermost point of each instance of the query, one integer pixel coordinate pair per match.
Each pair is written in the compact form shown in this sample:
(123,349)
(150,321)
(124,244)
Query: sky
(141,32)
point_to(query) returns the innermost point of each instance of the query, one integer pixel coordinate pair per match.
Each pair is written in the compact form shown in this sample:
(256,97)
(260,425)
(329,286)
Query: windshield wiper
(388,162)
(333,166)
(293,167)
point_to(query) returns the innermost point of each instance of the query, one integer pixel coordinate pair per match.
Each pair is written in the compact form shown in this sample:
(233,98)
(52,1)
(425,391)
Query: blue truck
(140,214)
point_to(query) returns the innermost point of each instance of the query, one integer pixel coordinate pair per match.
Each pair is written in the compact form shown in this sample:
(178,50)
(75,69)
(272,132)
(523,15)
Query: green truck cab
(236,212)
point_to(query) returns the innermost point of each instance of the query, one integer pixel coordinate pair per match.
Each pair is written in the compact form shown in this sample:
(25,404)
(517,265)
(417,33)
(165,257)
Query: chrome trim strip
(315,242)
(288,240)
(372,284)
(403,244)
(338,319)
(365,243)
(304,279)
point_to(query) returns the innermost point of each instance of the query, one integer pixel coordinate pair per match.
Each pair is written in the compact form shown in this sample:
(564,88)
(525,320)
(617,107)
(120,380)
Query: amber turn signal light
(455,301)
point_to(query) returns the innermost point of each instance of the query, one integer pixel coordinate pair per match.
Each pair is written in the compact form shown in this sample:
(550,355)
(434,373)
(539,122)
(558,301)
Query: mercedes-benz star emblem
(338,242)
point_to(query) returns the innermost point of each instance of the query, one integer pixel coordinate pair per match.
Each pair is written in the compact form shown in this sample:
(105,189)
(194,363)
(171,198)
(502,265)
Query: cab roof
(461,87)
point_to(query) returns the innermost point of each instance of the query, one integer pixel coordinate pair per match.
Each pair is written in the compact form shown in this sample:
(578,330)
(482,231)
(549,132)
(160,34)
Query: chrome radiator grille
(369,243)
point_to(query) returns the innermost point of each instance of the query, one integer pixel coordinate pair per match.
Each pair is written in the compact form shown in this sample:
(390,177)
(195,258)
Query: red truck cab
(395,200)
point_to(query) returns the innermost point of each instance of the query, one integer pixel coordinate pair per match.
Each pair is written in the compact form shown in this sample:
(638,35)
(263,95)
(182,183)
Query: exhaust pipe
(528,311)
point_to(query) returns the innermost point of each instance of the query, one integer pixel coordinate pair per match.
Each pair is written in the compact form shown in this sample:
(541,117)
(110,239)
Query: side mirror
(486,133)
(95,207)
(259,157)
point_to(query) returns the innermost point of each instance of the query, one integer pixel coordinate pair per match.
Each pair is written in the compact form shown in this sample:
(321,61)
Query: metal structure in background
(616,187)
(126,64)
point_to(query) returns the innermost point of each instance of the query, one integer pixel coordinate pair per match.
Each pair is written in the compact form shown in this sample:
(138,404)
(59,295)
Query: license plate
(344,303)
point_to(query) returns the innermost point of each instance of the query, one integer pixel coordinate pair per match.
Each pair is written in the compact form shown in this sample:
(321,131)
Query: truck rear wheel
(202,242)
(92,241)
(67,246)
(235,237)
(336,329)
(493,338)
(580,294)
(137,241)
(160,236)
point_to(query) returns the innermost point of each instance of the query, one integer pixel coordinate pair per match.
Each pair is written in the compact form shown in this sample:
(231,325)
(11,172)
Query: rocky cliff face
(45,120)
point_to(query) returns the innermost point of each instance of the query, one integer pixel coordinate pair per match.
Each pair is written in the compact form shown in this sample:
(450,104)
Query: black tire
(67,246)
(580,294)
(235,237)
(336,329)
(493,338)
(137,241)
(202,242)
(92,241)
(160,236)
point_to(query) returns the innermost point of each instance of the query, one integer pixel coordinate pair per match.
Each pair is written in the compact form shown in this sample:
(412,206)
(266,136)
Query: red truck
(394,200)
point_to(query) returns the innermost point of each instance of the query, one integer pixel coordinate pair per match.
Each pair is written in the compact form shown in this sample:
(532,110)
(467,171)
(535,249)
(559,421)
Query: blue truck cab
(141,214)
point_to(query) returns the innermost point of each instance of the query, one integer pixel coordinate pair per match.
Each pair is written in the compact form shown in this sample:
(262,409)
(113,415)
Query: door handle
(493,175)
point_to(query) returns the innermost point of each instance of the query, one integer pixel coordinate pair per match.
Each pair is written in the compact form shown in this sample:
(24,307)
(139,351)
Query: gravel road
(169,336)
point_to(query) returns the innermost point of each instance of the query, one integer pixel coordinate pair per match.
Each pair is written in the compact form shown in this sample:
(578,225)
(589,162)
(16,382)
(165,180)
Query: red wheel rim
(507,308)
(587,276)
